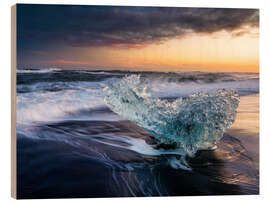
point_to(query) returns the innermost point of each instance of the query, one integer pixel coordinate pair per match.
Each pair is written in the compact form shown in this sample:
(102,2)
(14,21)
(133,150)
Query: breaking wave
(44,70)
(195,122)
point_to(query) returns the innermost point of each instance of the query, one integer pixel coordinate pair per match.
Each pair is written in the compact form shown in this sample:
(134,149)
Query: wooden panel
(13,103)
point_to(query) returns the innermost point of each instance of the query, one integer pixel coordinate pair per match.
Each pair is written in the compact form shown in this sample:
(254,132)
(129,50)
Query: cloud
(86,26)
(70,62)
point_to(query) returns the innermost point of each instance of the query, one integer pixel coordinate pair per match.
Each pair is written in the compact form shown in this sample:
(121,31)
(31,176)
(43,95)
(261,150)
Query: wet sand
(246,125)
(64,160)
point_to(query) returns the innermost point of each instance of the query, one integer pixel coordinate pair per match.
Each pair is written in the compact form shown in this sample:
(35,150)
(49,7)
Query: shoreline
(246,125)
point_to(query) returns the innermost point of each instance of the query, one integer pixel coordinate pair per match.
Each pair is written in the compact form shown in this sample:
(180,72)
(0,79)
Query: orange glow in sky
(138,38)
(221,51)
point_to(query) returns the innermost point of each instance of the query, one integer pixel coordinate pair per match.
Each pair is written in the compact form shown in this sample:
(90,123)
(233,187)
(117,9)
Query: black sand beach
(95,153)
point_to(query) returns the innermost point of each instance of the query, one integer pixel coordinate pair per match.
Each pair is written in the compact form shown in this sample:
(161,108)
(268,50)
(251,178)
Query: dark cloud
(122,26)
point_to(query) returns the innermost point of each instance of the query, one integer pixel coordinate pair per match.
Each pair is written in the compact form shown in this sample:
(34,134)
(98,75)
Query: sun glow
(221,51)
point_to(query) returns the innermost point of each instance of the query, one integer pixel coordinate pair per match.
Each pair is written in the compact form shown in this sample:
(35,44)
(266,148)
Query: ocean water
(70,144)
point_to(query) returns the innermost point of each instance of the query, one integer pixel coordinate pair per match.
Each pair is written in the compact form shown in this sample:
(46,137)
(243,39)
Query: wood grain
(13,104)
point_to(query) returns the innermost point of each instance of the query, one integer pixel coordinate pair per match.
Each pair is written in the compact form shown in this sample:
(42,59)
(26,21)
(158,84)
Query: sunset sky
(138,38)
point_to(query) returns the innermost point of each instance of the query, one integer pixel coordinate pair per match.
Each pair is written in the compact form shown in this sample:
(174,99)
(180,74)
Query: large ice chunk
(192,123)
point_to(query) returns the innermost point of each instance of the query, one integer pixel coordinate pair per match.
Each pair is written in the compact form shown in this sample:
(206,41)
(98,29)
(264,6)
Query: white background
(5,124)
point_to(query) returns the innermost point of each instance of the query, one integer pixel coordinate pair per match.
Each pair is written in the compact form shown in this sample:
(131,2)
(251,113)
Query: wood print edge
(13,104)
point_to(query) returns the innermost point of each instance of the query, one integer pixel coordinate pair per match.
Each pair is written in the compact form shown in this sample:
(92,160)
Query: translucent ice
(192,123)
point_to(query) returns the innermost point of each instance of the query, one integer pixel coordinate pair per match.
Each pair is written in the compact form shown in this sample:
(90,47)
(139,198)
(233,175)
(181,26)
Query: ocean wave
(174,90)
(59,86)
(101,73)
(197,77)
(38,96)
(194,123)
(50,106)
(45,70)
